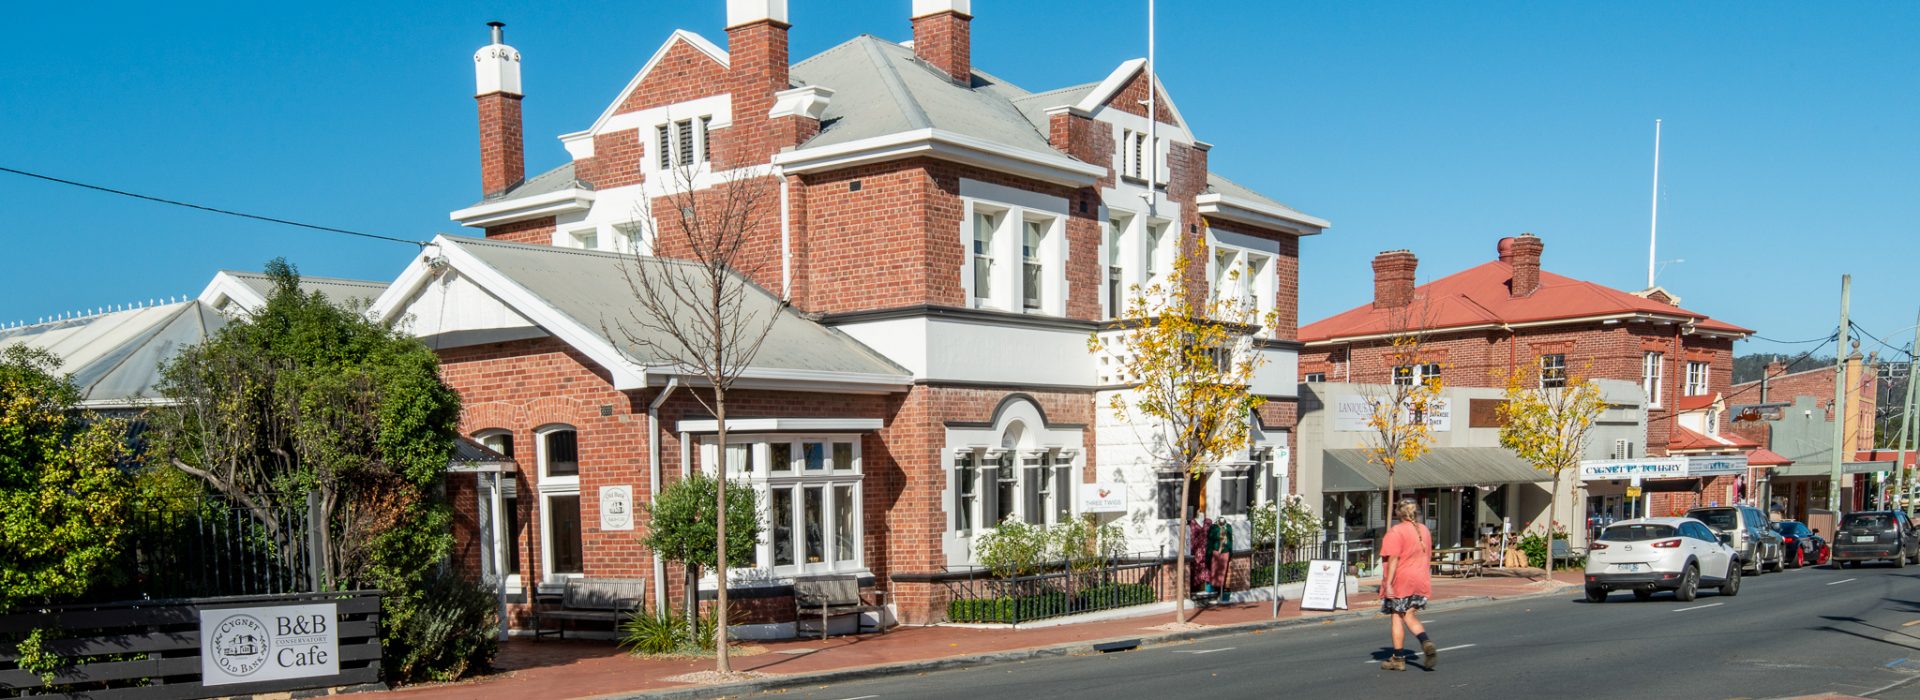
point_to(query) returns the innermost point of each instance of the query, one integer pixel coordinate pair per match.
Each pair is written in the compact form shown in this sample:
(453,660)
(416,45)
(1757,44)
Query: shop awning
(471,457)
(1826,468)
(1348,470)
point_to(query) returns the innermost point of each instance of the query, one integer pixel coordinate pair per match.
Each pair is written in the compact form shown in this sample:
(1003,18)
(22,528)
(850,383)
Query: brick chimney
(1393,278)
(942,36)
(757,70)
(496,77)
(1523,253)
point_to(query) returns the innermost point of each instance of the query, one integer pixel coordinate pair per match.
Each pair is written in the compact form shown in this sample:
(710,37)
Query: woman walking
(1407,550)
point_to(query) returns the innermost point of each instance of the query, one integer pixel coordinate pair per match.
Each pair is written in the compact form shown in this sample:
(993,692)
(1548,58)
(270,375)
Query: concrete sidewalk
(577,669)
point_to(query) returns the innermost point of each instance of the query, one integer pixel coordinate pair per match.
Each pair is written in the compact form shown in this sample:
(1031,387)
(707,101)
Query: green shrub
(1535,547)
(665,632)
(1013,548)
(442,630)
(1010,609)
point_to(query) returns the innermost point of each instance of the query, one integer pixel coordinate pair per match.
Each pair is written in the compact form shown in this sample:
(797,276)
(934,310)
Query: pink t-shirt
(1412,546)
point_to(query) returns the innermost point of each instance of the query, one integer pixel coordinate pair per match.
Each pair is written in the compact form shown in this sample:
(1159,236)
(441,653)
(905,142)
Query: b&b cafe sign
(248,645)
(1662,468)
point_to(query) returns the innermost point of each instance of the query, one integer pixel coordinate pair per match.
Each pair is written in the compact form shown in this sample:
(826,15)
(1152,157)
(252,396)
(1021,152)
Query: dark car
(1874,535)
(1798,543)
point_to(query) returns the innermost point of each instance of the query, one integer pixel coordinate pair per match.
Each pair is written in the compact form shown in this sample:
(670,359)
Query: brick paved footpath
(576,668)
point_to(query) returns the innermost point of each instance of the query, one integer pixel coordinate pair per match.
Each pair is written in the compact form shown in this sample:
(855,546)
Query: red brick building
(947,242)
(1483,323)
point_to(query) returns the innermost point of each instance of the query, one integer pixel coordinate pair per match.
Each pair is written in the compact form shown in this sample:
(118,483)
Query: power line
(1875,338)
(216,210)
(1822,339)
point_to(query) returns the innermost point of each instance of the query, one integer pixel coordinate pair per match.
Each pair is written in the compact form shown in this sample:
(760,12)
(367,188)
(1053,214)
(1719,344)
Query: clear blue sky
(1791,151)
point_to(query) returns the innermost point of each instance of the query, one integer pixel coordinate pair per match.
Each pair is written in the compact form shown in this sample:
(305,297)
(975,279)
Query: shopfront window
(810,489)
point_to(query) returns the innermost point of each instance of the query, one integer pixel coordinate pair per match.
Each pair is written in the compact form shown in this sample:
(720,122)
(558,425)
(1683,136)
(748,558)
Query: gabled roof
(1763,457)
(585,299)
(115,358)
(235,290)
(1686,439)
(1478,297)
(883,93)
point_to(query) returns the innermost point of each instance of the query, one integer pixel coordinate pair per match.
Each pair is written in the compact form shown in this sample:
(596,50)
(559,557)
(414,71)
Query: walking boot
(1394,663)
(1430,653)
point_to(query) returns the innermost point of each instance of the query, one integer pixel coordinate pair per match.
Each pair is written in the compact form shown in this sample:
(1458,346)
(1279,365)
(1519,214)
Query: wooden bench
(834,596)
(597,599)
(1457,561)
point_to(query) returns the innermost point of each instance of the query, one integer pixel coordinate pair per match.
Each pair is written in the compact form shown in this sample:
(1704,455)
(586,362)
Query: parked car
(1802,547)
(1758,545)
(1645,555)
(1876,534)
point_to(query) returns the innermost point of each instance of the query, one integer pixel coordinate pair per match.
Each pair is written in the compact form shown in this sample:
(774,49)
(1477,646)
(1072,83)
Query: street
(1799,632)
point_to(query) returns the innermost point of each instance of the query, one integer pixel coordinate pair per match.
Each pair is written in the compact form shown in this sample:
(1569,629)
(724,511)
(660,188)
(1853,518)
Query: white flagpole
(1653,233)
(1153,138)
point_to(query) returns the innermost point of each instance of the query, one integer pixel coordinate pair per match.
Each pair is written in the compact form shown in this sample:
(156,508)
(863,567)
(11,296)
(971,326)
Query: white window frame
(1653,375)
(1561,364)
(1114,271)
(1009,210)
(795,480)
(586,238)
(1415,374)
(682,141)
(1034,292)
(509,499)
(551,487)
(1699,377)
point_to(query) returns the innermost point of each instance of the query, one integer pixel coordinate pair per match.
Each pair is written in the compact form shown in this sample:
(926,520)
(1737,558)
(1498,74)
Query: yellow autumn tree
(1399,413)
(1549,427)
(1189,355)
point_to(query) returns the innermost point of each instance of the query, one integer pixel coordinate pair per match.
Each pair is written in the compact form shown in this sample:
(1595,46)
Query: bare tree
(1400,411)
(697,312)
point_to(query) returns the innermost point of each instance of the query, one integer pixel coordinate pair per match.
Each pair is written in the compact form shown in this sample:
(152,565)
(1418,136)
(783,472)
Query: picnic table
(1457,561)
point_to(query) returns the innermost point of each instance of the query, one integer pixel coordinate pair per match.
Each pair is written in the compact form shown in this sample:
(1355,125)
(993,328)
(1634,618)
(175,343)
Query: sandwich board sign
(246,645)
(1326,586)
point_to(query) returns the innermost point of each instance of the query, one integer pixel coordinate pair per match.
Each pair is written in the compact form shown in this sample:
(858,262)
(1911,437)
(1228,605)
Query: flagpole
(1653,233)
(1153,138)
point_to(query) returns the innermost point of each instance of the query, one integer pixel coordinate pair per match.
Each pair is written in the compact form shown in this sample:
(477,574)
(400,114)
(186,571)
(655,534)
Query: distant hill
(1748,368)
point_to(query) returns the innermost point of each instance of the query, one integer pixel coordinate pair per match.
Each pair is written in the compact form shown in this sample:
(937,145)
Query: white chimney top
(496,66)
(741,12)
(922,8)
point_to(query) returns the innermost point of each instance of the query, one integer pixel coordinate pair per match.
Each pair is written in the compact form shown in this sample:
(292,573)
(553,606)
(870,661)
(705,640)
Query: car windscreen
(1791,529)
(1637,532)
(1725,520)
(1867,521)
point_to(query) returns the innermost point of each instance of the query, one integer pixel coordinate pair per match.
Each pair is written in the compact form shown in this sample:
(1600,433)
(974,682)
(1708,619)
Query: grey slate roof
(592,288)
(554,180)
(115,358)
(881,88)
(342,292)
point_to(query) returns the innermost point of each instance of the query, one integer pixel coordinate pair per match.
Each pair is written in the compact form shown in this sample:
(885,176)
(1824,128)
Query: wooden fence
(151,649)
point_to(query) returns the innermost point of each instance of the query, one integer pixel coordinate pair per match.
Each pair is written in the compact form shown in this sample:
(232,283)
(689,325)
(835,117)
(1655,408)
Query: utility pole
(1839,398)
(1907,408)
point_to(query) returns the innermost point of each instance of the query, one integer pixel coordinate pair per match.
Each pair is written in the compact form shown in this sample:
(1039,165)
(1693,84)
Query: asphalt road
(1798,632)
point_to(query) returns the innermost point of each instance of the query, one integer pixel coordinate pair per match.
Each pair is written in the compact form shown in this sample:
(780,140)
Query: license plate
(1863,538)
(1628,568)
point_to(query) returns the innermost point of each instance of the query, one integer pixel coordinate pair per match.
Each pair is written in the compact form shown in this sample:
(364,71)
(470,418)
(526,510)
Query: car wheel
(1689,584)
(1799,558)
(1596,594)
(1900,561)
(1759,563)
(1642,594)
(1732,585)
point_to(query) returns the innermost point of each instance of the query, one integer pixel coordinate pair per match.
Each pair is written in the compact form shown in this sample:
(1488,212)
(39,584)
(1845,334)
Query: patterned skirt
(1397,606)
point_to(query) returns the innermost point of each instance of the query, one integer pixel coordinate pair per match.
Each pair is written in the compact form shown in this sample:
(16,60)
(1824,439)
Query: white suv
(1651,554)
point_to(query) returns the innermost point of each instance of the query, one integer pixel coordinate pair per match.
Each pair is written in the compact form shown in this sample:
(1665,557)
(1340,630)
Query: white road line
(1203,651)
(863,697)
(1699,607)
(1416,655)
(1841,581)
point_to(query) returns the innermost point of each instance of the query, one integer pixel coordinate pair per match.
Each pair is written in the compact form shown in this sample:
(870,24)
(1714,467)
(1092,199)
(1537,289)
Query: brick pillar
(942,37)
(1523,253)
(757,68)
(496,69)
(1393,278)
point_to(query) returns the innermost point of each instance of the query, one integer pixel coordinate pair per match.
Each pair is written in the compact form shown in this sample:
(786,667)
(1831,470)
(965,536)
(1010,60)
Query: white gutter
(653,485)
(943,145)
(571,199)
(1259,214)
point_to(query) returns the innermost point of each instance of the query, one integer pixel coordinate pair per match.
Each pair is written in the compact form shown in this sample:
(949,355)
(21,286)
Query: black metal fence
(1074,588)
(151,649)
(212,546)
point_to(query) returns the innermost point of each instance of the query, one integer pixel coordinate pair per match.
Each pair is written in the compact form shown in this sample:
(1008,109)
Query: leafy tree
(305,398)
(1549,427)
(682,526)
(1192,359)
(1399,411)
(62,488)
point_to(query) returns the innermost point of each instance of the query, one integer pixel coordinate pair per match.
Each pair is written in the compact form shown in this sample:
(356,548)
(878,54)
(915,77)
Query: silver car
(1653,554)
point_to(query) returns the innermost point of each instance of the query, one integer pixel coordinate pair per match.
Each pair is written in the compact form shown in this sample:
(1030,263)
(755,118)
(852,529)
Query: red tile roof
(1697,403)
(1685,439)
(1478,296)
(1763,457)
